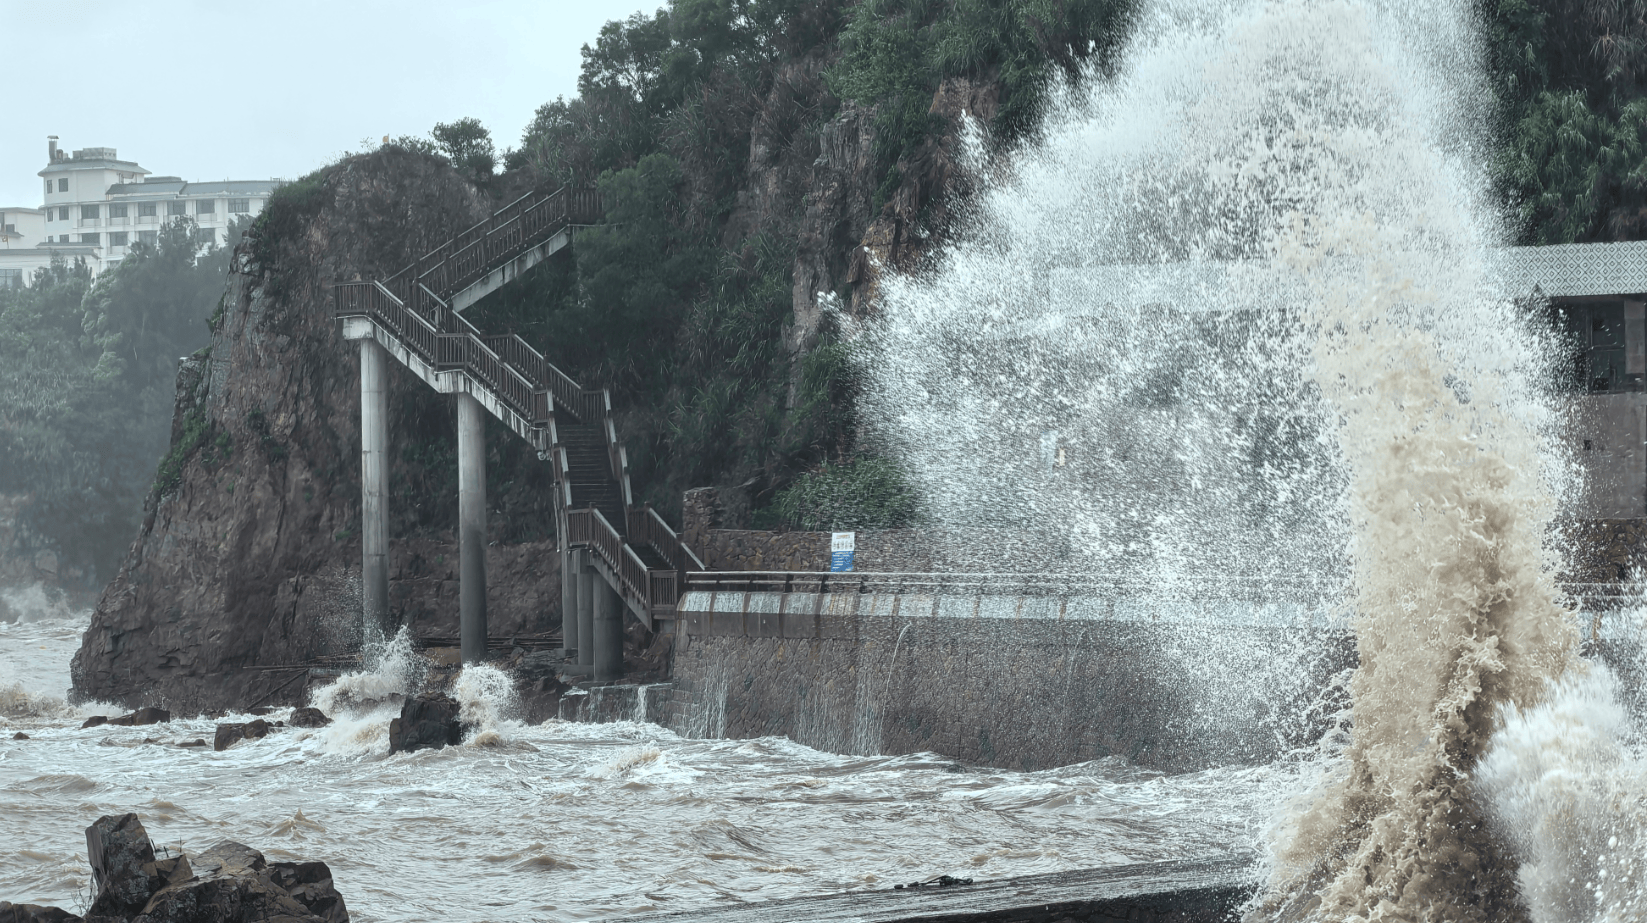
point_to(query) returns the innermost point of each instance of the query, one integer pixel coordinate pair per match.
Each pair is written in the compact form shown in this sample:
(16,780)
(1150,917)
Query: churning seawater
(567,821)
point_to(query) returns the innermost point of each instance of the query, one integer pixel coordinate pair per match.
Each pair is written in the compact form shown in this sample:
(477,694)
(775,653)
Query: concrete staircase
(416,316)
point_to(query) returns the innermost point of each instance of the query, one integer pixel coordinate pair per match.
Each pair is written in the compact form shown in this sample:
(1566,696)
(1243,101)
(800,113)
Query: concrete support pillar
(568,600)
(608,632)
(374,488)
(471,529)
(586,609)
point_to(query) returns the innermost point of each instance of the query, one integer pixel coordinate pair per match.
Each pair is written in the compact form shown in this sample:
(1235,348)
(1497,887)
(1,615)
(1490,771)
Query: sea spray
(489,706)
(388,668)
(1334,388)
(362,702)
(1565,789)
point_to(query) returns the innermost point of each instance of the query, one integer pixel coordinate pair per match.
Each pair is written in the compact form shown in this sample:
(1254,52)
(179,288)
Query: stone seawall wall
(1018,693)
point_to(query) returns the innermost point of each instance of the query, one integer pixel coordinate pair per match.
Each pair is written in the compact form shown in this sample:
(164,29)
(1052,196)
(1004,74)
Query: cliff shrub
(867,493)
(895,53)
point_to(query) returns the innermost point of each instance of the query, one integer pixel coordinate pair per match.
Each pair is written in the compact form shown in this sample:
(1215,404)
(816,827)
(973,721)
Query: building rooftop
(101,163)
(258,187)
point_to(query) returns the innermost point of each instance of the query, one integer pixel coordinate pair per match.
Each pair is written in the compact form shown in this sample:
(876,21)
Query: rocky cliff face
(250,556)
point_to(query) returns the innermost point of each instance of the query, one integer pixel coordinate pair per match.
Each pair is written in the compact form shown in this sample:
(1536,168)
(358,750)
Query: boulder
(230,734)
(122,864)
(94,721)
(19,736)
(232,883)
(229,883)
(142,716)
(34,913)
(427,722)
(309,718)
(197,742)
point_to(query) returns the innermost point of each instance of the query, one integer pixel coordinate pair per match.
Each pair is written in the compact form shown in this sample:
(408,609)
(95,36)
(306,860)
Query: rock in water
(229,883)
(233,884)
(19,736)
(94,721)
(426,722)
(230,734)
(122,863)
(309,718)
(143,716)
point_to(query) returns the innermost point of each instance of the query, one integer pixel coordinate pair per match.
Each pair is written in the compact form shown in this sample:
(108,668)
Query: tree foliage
(86,384)
(1573,121)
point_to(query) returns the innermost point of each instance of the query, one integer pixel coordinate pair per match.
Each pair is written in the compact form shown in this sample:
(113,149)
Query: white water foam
(1565,786)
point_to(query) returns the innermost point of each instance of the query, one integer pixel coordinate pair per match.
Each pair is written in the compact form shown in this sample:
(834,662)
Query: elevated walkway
(415,317)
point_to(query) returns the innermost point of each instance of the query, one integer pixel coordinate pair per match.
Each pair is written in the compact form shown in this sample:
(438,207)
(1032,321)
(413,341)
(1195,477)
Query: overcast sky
(218,90)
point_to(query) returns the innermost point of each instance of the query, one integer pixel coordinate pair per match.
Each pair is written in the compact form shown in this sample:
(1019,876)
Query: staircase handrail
(589,526)
(502,236)
(645,525)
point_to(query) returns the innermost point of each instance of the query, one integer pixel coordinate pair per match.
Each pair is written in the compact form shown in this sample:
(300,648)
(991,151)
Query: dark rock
(34,913)
(94,721)
(310,884)
(260,711)
(230,734)
(232,883)
(426,722)
(197,742)
(142,716)
(309,718)
(122,863)
(19,736)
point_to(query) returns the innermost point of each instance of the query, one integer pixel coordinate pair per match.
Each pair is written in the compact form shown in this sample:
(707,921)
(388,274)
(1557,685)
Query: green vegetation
(895,53)
(683,304)
(87,370)
(868,493)
(1569,77)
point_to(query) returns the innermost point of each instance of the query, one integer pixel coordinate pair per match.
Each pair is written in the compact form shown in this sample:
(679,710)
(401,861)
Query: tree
(469,146)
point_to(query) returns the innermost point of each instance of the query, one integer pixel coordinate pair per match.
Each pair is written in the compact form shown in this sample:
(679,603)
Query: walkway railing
(412,306)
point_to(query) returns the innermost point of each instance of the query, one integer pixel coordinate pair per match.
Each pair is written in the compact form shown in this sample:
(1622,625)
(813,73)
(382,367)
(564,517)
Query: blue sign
(842,548)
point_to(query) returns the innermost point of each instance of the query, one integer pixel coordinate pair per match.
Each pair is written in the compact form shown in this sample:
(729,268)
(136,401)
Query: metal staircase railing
(412,307)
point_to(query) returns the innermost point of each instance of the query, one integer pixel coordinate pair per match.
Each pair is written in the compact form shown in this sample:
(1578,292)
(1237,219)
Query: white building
(97,206)
(25,246)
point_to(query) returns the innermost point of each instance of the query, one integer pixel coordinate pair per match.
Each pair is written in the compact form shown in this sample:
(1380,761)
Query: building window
(49,213)
(88,238)
(205,206)
(63,184)
(48,187)
(11,229)
(88,212)
(175,208)
(145,210)
(205,236)
(62,213)
(62,238)
(117,238)
(152,238)
(240,206)
(117,211)
(11,278)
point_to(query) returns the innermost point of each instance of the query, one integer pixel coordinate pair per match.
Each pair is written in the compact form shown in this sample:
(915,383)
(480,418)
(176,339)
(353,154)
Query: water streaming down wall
(1351,397)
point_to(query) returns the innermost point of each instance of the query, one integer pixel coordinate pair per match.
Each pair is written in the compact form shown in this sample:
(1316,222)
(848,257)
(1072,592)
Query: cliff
(249,554)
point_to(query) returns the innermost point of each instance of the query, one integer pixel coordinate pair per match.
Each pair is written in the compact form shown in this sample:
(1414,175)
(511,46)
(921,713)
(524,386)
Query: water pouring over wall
(1247,286)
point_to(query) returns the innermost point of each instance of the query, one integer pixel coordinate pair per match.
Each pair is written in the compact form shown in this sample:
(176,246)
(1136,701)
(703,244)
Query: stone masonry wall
(1019,693)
